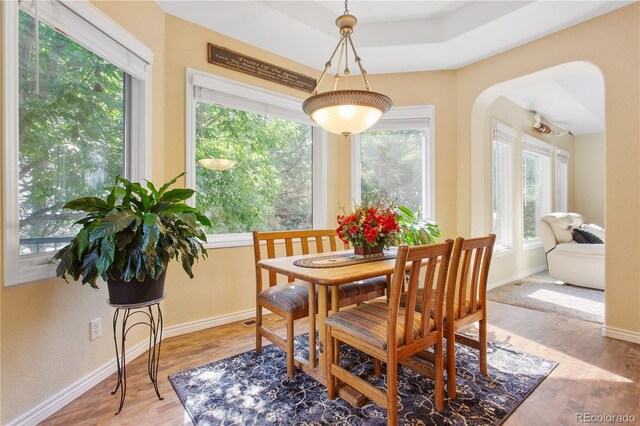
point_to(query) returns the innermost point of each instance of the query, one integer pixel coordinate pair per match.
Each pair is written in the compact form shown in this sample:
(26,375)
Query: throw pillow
(585,237)
(594,229)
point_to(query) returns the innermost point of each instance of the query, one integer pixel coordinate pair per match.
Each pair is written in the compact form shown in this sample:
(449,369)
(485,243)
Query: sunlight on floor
(579,369)
(568,301)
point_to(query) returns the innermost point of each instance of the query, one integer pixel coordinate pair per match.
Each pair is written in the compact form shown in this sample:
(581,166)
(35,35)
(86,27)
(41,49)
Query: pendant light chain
(37,35)
(345,111)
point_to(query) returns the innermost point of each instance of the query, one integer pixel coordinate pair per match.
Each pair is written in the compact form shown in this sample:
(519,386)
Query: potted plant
(414,230)
(129,239)
(369,228)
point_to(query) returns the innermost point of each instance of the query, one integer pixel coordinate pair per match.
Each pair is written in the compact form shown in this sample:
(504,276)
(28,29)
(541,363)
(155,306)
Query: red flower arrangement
(369,226)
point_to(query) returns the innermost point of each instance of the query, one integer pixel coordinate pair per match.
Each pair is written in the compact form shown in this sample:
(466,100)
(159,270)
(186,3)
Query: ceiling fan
(546,128)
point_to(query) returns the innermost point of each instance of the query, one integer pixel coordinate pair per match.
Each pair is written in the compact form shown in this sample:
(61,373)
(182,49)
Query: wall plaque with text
(236,61)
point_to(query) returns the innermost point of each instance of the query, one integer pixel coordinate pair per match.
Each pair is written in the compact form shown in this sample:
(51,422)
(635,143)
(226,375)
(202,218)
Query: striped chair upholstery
(418,308)
(294,296)
(369,323)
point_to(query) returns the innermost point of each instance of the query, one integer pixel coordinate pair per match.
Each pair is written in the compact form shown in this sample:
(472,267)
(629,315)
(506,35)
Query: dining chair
(290,299)
(392,334)
(465,300)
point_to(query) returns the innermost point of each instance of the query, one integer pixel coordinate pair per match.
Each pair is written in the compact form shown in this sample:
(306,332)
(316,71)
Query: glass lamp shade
(346,111)
(216,163)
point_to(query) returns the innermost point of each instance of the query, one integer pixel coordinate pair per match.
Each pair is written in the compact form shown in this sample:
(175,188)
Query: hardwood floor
(596,375)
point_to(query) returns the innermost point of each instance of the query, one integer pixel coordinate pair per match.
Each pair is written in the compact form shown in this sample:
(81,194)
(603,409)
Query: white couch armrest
(580,249)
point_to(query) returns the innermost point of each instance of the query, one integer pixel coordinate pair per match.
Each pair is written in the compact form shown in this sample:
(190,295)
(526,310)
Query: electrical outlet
(95,328)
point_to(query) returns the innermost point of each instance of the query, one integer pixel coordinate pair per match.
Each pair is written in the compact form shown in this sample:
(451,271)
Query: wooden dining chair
(465,300)
(289,298)
(392,334)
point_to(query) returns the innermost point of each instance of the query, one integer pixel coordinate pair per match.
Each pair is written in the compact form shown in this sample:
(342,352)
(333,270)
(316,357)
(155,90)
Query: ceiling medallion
(346,111)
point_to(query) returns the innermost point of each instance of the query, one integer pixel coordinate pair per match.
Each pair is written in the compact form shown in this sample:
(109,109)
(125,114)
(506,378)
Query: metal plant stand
(154,322)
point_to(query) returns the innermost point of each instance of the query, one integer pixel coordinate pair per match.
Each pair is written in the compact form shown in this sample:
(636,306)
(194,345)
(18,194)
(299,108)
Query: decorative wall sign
(236,61)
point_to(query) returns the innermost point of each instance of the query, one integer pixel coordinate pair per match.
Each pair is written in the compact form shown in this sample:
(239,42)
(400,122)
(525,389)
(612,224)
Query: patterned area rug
(250,390)
(540,292)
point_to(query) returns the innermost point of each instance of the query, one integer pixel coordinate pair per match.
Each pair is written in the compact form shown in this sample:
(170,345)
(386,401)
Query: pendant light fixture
(346,111)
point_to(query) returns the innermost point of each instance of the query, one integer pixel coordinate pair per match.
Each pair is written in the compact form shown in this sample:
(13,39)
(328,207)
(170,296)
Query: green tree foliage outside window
(269,188)
(532,194)
(71,132)
(392,164)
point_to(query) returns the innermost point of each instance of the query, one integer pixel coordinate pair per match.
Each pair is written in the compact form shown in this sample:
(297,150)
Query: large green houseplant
(129,239)
(414,230)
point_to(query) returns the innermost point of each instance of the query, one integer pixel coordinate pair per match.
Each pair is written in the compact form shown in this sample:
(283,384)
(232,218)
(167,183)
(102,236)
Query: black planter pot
(134,291)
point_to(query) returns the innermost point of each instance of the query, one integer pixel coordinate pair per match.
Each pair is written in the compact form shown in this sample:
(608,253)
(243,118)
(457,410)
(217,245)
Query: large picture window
(396,159)
(536,185)
(502,185)
(70,127)
(274,176)
(269,186)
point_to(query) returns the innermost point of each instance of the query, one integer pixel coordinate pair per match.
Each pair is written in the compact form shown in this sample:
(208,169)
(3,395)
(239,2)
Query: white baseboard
(621,334)
(190,327)
(516,277)
(48,407)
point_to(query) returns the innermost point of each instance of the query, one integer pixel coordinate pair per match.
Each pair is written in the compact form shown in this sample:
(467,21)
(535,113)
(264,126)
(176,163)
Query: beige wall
(610,42)
(589,173)
(44,326)
(504,266)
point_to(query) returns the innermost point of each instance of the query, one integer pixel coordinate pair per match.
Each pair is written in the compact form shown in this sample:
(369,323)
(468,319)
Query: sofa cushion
(561,225)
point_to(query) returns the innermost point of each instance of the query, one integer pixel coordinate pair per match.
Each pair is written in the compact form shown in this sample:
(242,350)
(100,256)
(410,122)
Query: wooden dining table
(325,280)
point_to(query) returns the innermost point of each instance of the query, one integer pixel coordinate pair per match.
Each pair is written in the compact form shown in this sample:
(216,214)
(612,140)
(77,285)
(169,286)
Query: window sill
(532,245)
(215,241)
(502,252)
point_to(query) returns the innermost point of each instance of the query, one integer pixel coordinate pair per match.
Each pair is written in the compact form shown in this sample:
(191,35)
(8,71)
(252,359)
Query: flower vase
(361,251)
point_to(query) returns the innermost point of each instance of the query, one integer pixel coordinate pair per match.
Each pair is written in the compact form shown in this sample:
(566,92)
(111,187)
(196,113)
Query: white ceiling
(403,36)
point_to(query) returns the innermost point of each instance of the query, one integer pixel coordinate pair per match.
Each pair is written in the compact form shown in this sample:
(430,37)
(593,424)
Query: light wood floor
(596,375)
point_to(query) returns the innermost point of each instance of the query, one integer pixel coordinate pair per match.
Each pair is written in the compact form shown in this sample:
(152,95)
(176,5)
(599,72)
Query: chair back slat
(420,257)
(475,279)
(427,293)
(304,245)
(294,242)
(469,290)
(461,291)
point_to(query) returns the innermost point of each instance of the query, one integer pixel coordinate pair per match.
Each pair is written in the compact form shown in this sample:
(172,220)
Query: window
(562,180)
(502,185)
(277,154)
(536,185)
(74,117)
(396,158)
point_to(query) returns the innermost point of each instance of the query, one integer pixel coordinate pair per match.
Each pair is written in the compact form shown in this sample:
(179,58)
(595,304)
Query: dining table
(326,280)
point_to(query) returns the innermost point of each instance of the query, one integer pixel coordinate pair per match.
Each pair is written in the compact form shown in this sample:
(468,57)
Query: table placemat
(343,259)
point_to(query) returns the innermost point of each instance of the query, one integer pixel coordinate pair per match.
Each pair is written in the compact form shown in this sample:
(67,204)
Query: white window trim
(403,117)
(197,78)
(497,125)
(541,148)
(559,152)
(75,18)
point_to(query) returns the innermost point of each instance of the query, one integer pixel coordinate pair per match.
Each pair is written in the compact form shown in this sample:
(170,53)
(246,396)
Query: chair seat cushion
(368,322)
(403,302)
(294,296)
(361,288)
(290,297)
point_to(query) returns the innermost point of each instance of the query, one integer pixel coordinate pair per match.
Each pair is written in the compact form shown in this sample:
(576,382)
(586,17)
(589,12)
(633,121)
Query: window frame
(509,134)
(284,107)
(542,149)
(88,26)
(401,118)
(561,158)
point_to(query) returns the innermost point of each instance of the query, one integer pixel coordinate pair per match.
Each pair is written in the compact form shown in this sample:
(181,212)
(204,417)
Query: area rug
(254,390)
(543,293)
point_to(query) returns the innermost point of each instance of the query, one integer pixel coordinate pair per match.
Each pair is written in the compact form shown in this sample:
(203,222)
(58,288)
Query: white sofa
(568,261)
